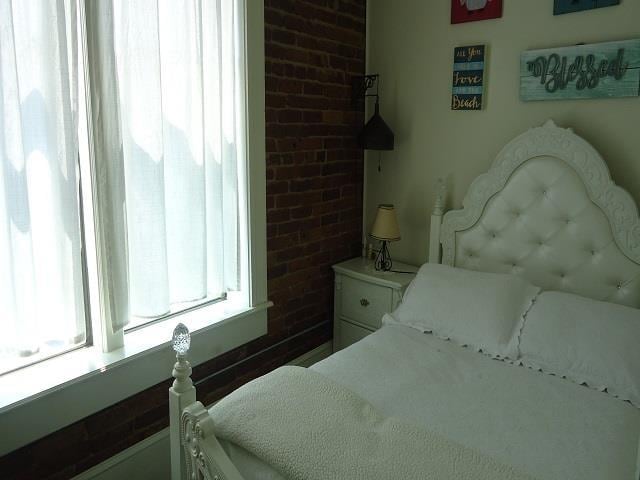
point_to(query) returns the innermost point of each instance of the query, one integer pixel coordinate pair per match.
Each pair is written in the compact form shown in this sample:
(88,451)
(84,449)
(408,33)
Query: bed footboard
(196,454)
(205,457)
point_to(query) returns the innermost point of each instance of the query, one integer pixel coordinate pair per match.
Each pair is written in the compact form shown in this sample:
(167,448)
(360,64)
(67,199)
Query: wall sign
(600,70)
(468,78)
(471,10)
(570,6)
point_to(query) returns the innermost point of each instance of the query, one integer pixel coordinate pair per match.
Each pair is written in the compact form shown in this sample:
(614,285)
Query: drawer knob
(364,302)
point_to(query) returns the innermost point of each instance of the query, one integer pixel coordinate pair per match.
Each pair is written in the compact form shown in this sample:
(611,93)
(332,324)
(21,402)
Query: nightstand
(362,296)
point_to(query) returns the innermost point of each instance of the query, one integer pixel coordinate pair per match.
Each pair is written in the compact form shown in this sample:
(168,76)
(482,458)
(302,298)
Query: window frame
(112,369)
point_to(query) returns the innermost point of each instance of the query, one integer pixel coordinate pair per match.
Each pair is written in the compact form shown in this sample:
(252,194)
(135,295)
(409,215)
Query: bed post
(436,222)
(181,394)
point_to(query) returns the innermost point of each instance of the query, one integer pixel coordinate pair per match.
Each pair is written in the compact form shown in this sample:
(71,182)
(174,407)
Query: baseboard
(312,356)
(149,459)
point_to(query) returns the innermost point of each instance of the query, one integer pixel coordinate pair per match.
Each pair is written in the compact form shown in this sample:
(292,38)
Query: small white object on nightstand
(363,295)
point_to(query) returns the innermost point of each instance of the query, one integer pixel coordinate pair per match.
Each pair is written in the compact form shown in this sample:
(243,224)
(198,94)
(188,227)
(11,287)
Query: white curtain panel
(41,293)
(109,185)
(180,88)
(167,96)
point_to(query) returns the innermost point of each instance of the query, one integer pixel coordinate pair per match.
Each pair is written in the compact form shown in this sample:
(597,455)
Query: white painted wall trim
(40,415)
(313,356)
(34,401)
(145,459)
(149,458)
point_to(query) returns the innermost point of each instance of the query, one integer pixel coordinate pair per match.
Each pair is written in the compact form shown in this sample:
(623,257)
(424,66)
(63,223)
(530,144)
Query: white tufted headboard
(548,210)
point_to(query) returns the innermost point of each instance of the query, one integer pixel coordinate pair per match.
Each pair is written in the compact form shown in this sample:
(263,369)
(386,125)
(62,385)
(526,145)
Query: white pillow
(481,310)
(586,341)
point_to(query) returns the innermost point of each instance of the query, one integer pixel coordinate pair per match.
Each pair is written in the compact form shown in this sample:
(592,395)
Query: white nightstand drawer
(362,296)
(350,333)
(365,302)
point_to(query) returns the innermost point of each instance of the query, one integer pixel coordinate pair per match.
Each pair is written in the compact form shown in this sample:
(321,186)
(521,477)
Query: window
(134,208)
(41,273)
(180,96)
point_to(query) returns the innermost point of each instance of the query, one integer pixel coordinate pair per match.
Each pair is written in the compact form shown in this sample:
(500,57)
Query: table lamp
(385,228)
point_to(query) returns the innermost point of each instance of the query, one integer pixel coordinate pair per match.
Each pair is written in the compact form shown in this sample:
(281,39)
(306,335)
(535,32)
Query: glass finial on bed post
(181,341)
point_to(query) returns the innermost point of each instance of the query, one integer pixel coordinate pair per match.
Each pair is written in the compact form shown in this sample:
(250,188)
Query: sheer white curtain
(180,68)
(167,109)
(41,293)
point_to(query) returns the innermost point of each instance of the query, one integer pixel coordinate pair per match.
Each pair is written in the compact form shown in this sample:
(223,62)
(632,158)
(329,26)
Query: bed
(548,213)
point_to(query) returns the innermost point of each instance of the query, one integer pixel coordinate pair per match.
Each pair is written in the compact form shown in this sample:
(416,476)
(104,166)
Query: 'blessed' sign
(601,70)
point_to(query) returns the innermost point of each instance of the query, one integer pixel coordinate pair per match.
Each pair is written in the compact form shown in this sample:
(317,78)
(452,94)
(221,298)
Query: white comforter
(545,426)
(310,428)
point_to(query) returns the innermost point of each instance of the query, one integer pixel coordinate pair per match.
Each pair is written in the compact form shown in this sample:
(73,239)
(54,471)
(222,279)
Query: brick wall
(314,168)
(314,215)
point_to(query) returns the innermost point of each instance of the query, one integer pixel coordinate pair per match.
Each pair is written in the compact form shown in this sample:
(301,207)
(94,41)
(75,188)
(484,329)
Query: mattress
(543,425)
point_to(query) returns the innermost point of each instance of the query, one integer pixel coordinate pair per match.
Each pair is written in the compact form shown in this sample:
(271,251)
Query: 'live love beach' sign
(600,70)
(468,78)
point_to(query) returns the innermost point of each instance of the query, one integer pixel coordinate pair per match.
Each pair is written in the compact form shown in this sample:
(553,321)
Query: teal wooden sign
(600,70)
(468,78)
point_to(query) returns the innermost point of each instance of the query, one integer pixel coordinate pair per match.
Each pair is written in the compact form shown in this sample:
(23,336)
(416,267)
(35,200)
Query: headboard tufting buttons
(551,215)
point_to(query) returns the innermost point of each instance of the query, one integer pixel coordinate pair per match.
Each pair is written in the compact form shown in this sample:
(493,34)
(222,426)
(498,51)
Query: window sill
(50,395)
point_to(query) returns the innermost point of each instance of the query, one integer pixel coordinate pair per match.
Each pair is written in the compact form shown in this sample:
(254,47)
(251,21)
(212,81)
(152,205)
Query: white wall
(411,46)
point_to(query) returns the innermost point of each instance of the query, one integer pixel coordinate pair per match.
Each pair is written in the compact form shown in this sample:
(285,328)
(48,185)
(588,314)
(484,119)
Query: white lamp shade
(385,226)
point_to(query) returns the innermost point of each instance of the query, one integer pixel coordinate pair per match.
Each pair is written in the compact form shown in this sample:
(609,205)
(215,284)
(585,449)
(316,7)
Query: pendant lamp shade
(376,134)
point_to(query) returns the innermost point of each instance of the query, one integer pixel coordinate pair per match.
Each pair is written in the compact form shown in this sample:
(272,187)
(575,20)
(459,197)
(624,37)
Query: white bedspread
(545,426)
(311,428)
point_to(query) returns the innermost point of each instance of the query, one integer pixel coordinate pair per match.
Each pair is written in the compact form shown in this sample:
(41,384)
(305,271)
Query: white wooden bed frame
(547,209)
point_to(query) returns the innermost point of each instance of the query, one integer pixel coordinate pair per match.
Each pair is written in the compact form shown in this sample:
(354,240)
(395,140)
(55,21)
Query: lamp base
(383,261)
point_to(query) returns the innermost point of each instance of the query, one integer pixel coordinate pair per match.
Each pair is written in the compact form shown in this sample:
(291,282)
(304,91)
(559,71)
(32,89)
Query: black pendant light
(376,134)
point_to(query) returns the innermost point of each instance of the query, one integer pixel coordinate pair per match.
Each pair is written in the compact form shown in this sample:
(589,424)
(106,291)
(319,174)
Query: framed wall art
(471,10)
(468,78)
(569,6)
